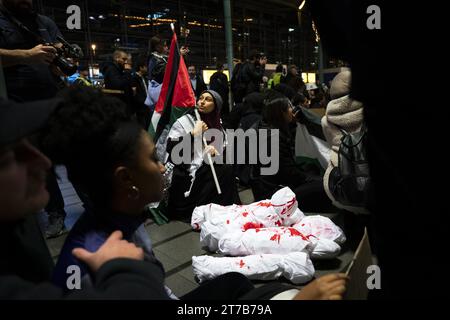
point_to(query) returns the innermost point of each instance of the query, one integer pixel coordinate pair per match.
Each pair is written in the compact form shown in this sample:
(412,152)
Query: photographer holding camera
(32,56)
(31,52)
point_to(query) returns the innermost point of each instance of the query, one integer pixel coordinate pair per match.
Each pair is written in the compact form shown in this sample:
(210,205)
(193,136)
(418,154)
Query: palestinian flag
(177,95)
(311,146)
(176,98)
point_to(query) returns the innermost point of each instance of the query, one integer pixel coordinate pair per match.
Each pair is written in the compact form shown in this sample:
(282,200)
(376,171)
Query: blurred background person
(219,83)
(276,77)
(83,76)
(117,74)
(197,81)
(139,85)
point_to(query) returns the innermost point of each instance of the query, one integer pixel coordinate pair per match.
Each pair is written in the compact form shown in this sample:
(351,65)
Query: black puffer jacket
(289,172)
(252,75)
(157,67)
(252,112)
(115,77)
(118,79)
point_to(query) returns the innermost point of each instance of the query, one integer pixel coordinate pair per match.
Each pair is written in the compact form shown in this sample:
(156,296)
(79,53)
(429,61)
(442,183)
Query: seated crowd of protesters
(100,136)
(112,164)
(112,160)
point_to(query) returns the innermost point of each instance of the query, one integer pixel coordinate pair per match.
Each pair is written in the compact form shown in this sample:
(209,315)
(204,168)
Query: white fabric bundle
(274,236)
(324,249)
(215,221)
(204,213)
(280,210)
(321,228)
(295,266)
(281,240)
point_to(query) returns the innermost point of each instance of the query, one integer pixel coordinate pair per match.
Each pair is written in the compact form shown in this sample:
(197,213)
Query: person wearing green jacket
(277,76)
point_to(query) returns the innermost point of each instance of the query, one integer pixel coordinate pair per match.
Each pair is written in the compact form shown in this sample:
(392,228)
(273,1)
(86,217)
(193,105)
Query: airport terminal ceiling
(274,27)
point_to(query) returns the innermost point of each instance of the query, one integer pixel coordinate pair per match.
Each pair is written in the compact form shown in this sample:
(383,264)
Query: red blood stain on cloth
(228,221)
(278,223)
(276,237)
(252,225)
(245,214)
(296,233)
(264,204)
(241,264)
(289,204)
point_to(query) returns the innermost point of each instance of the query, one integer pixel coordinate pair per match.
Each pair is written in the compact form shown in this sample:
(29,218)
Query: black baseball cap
(18,120)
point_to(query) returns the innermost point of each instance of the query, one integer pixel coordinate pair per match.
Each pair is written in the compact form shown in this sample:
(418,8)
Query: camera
(64,65)
(63,54)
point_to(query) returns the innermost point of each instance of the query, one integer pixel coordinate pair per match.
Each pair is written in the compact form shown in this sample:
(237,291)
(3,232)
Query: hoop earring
(134,193)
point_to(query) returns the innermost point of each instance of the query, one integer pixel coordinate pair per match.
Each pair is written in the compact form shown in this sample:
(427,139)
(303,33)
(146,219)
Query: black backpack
(237,83)
(350,181)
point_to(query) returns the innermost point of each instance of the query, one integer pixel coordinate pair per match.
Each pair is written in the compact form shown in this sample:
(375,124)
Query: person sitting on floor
(278,114)
(114,161)
(192,183)
(343,114)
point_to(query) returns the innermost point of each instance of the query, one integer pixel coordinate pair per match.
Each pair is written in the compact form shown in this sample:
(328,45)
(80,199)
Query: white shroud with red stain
(215,221)
(322,228)
(280,210)
(296,267)
(324,249)
(280,240)
(272,238)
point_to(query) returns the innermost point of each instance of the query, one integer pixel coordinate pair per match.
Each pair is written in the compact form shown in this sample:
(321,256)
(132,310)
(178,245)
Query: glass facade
(271,26)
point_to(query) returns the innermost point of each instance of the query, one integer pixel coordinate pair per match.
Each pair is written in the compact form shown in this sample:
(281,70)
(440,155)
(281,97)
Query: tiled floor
(175,243)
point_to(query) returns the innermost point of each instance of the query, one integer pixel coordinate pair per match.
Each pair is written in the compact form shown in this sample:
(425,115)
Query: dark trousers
(56,201)
(203,191)
(311,197)
(55,204)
